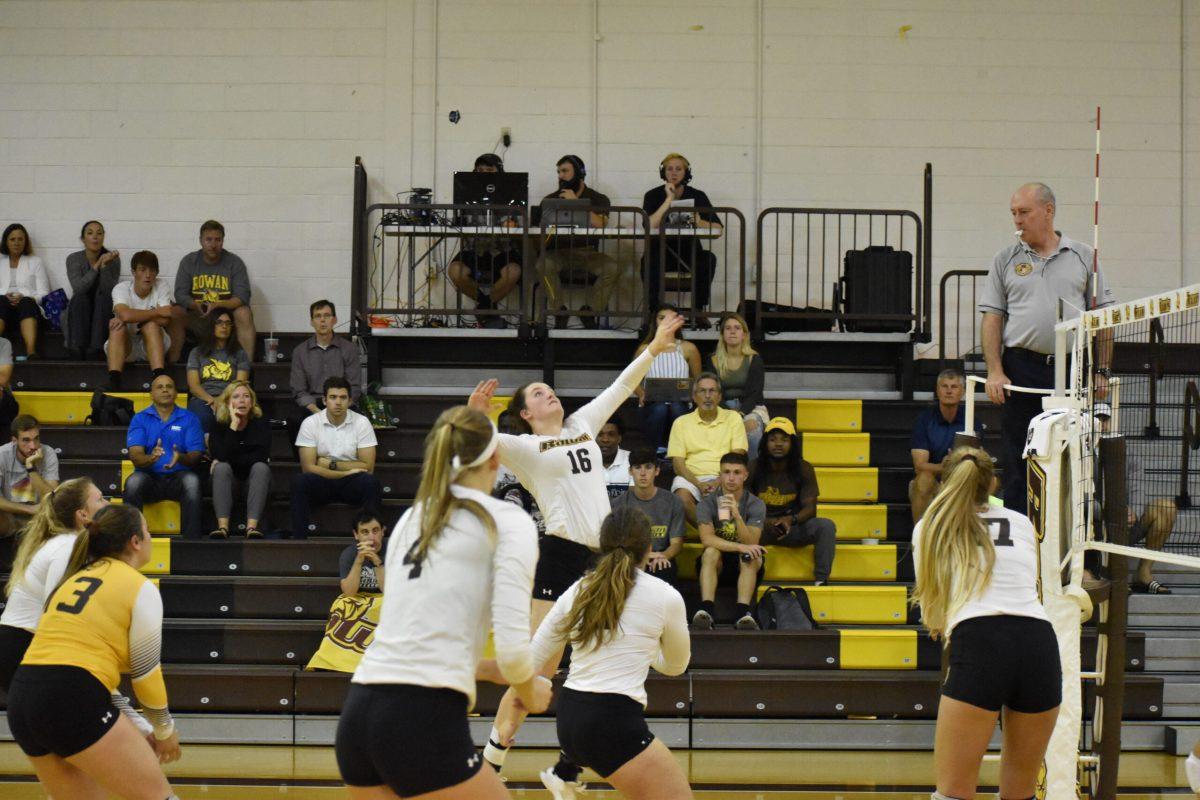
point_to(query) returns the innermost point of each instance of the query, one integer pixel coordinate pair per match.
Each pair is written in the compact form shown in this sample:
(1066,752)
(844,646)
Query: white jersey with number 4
(565,473)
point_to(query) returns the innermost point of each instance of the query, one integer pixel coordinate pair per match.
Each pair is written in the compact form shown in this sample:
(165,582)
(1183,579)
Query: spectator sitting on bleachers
(487,268)
(319,357)
(787,484)
(361,564)
(663,509)
(507,487)
(932,439)
(615,460)
(730,521)
(212,278)
(143,327)
(566,251)
(9,408)
(354,615)
(699,439)
(213,364)
(682,363)
(93,273)
(240,446)
(742,373)
(166,445)
(337,458)
(22,287)
(28,472)
(682,254)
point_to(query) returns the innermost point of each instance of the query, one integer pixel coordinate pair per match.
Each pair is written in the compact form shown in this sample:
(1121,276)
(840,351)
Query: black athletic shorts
(485,267)
(413,739)
(13,644)
(58,709)
(730,567)
(1005,661)
(601,731)
(560,563)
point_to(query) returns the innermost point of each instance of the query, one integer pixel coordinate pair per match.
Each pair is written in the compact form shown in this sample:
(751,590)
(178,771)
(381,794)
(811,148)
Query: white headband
(456,465)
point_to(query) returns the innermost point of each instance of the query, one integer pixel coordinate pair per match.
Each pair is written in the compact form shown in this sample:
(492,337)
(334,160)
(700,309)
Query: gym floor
(217,772)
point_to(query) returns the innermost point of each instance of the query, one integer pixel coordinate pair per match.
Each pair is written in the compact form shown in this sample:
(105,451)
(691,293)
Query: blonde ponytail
(595,614)
(55,514)
(955,554)
(460,434)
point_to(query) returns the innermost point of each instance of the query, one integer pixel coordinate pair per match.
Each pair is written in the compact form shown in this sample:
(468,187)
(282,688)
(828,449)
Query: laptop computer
(491,189)
(668,390)
(566,213)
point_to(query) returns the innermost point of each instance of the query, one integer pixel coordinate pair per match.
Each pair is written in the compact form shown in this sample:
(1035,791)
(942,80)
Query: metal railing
(357,247)
(960,277)
(685,255)
(1189,441)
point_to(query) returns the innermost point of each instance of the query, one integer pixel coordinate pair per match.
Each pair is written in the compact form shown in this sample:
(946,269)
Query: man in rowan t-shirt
(663,509)
(210,278)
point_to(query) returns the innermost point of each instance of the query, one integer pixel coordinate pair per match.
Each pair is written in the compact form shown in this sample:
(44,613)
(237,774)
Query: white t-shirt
(565,473)
(617,473)
(160,295)
(653,632)
(339,442)
(436,616)
(1013,588)
(45,570)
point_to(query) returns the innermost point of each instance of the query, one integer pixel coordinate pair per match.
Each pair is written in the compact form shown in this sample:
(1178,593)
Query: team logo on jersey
(550,444)
(1023,269)
(107,716)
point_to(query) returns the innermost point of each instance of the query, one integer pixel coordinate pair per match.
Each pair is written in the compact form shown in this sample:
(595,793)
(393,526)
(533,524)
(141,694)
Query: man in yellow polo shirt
(699,439)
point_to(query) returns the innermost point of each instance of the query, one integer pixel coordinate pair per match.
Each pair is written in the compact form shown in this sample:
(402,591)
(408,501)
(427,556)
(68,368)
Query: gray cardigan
(83,278)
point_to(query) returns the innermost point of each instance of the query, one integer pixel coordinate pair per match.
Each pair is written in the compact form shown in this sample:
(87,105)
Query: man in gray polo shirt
(1020,308)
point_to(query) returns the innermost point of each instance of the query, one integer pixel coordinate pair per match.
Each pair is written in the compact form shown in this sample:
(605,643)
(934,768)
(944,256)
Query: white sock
(494,752)
(1192,766)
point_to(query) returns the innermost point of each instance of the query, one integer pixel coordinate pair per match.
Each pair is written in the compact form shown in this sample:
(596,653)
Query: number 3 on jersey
(579,461)
(82,595)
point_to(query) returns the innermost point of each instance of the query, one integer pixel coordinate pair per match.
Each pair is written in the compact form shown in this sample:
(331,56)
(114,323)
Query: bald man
(1020,308)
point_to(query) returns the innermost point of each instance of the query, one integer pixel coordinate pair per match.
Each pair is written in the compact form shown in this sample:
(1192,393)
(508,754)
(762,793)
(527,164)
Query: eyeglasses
(223,322)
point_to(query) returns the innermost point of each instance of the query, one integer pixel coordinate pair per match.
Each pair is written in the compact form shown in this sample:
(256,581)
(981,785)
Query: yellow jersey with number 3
(106,619)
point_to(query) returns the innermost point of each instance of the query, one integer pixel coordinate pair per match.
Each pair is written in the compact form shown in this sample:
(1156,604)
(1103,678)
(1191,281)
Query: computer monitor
(560,213)
(491,188)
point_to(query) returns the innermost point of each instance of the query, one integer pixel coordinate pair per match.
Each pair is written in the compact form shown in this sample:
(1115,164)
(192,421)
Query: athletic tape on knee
(1192,765)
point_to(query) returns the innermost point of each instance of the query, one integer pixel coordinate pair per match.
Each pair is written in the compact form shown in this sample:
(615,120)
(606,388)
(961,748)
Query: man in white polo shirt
(337,458)
(1020,308)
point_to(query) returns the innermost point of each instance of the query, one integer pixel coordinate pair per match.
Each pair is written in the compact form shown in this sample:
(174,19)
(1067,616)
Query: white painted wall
(153,116)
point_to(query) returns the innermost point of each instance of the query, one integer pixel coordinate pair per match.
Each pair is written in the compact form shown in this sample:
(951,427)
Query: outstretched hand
(664,337)
(481,398)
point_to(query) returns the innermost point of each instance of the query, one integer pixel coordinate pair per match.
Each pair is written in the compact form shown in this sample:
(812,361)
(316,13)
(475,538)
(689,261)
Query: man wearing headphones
(487,260)
(565,251)
(683,254)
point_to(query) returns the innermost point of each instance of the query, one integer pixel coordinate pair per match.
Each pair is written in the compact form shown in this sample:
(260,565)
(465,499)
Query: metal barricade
(425,260)
(589,272)
(800,265)
(966,286)
(697,262)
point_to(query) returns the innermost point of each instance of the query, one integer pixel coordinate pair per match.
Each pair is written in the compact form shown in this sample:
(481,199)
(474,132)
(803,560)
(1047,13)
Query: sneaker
(589,322)
(747,623)
(702,621)
(561,320)
(558,788)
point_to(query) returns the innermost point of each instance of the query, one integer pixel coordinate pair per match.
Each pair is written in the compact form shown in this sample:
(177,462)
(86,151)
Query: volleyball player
(560,464)
(105,618)
(42,555)
(620,621)
(977,572)
(461,562)
(1192,765)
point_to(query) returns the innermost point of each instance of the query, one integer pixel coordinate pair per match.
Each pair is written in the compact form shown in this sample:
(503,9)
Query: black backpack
(785,608)
(109,410)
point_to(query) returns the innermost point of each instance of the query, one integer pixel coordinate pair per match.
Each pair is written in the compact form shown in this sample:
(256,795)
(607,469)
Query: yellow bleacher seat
(856,605)
(498,405)
(833,416)
(856,521)
(848,484)
(162,517)
(862,562)
(837,449)
(160,557)
(874,649)
(72,408)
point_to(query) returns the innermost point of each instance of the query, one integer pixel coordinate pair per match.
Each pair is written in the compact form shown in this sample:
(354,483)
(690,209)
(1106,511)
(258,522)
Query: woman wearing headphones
(682,254)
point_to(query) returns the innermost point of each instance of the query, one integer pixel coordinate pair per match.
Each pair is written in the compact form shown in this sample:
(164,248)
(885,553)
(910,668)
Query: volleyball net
(1113,468)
